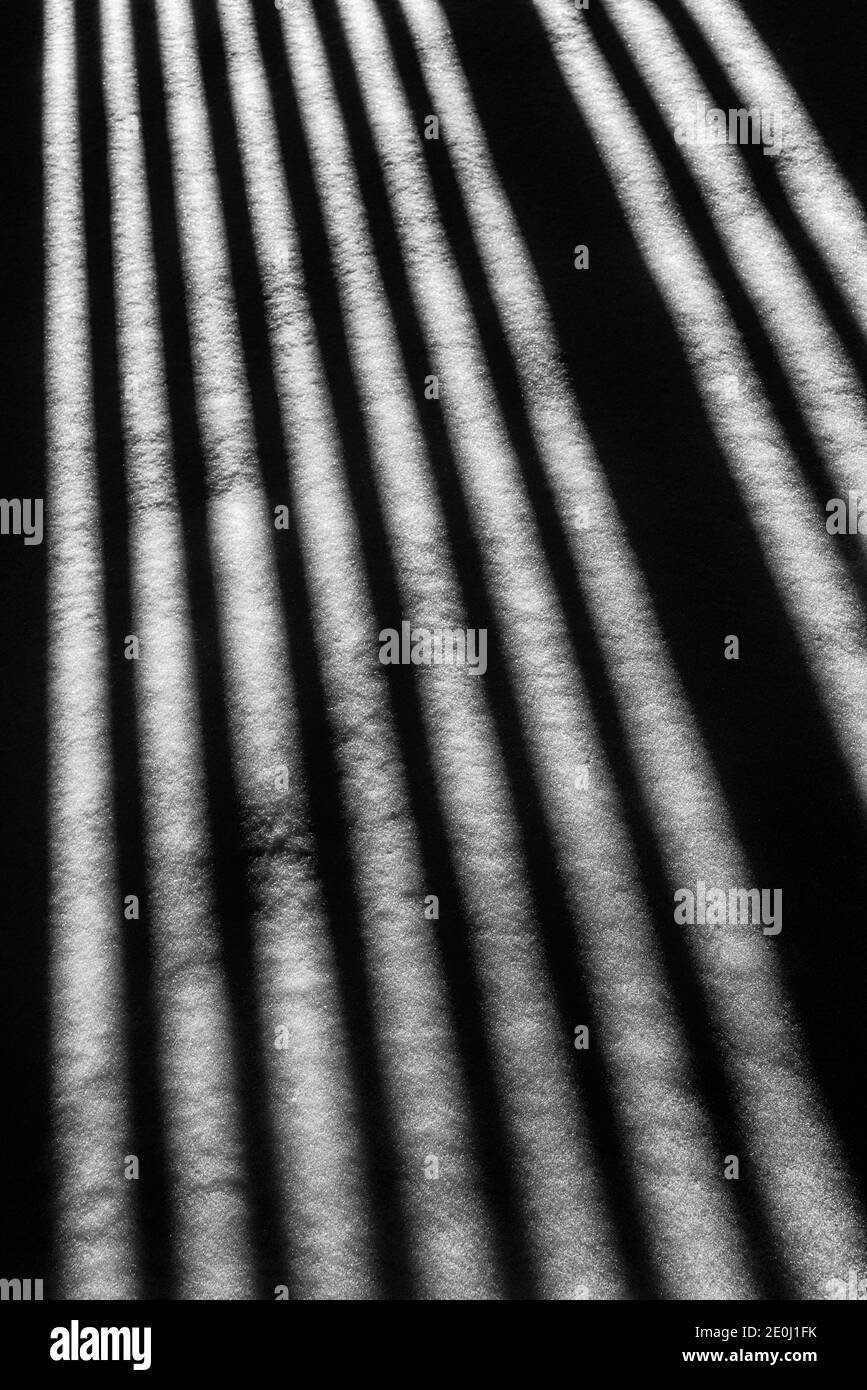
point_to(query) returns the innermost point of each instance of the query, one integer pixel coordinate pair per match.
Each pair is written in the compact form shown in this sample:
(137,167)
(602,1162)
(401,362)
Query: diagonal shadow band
(770,188)
(722,1107)
(826,68)
(769,368)
(234,907)
(565,970)
(329,823)
(330,829)
(791,792)
(148,1128)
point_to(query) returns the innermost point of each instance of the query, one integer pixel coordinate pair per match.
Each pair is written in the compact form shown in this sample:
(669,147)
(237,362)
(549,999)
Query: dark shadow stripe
(508,1230)
(792,796)
(230,859)
(147,1138)
(764,171)
(556,928)
(721,1104)
(758,345)
(25,1177)
(822,55)
(330,828)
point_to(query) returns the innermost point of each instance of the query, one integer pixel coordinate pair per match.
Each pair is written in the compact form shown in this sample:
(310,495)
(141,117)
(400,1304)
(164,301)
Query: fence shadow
(790,790)
(147,1139)
(230,854)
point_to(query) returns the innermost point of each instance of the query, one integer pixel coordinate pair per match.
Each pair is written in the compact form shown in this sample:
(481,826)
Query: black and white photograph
(433,626)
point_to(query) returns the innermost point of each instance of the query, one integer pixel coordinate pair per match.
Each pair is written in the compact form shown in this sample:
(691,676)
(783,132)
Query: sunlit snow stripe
(532,1064)
(813,582)
(827,388)
(791,1133)
(534,1077)
(824,606)
(560,736)
(311,1107)
(820,194)
(195,1061)
(551,1147)
(452,1253)
(96,1237)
